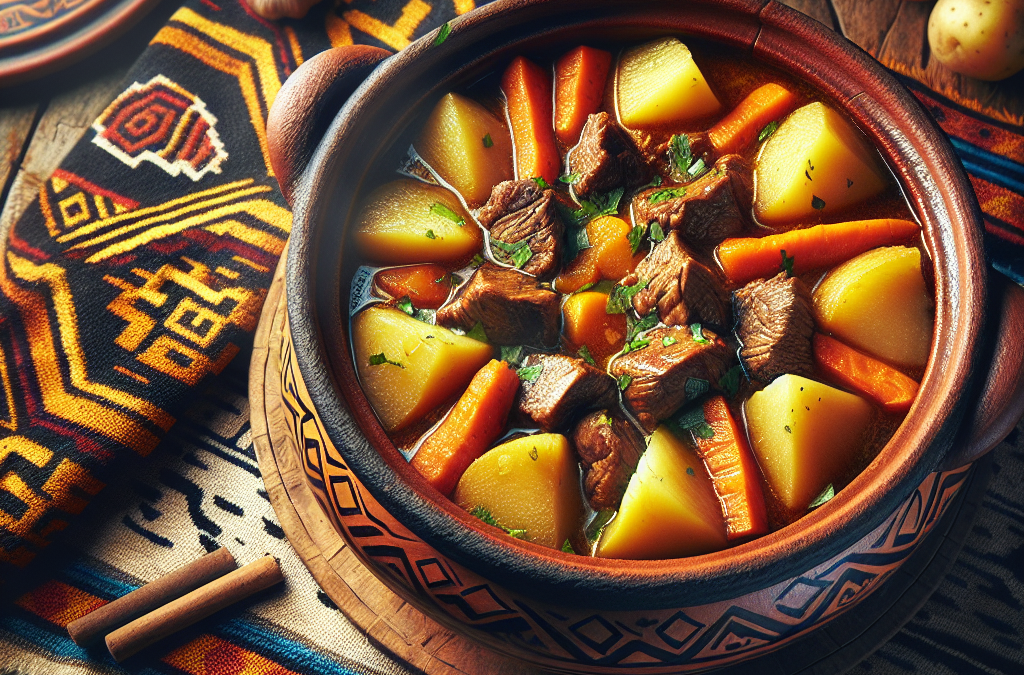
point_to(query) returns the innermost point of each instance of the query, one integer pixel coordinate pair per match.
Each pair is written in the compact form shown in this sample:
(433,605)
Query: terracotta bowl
(581,614)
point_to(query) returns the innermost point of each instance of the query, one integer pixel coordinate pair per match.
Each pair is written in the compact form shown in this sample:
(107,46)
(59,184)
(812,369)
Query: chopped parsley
(635,345)
(585,287)
(666,194)
(680,156)
(695,387)
(690,471)
(567,547)
(430,234)
(488,141)
(730,382)
(570,178)
(380,360)
(655,182)
(635,327)
(787,263)
(668,341)
(768,130)
(443,34)
(698,334)
(530,373)
(695,168)
(521,256)
(636,237)
(621,297)
(477,333)
(817,202)
(624,381)
(657,234)
(405,304)
(513,356)
(788,430)
(606,204)
(597,524)
(533,453)
(584,353)
(439,209)
(826,494)
(541,183)
(485,515)
(692,420)
(477,260)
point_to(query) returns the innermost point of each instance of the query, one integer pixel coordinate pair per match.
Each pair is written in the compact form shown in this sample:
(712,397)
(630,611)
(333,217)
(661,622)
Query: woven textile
(138,276)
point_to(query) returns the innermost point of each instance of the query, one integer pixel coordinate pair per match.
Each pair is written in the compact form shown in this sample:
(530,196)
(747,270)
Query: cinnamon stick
(147,598)
(190,608)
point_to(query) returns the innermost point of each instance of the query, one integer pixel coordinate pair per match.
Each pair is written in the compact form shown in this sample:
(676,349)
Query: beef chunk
(775,324)
(706,211)
(665,376)
(683,289)
(605,158)
(565,387)
(609,448)
(518,210)
(511,306)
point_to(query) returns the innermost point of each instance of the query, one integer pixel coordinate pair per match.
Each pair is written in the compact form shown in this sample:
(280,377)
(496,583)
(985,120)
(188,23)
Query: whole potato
(980,38)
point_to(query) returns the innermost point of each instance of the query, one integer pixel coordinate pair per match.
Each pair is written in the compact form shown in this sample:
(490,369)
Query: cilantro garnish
(667,341)
(485,515)
(693,420)
(570,178)
(380,360)
(826,494)
(817,202)
(606,204)
(787,263)
(567,547)
(477,333)
(488,141)
(657,234)
(621,297)
(405,304)
(541,183)
(635,345)
(624,381)
(698,334)
(439,209)
(430,234)
(443,34)
(666,194)
(513,356)
(636,237)
(521,256)
(730,382)
(679,154)
(768,130)
(585,355)
(530,373)
(635,327)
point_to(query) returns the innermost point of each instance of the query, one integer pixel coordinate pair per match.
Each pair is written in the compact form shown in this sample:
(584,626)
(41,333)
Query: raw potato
(436,364)
(532,484)
(814,165)
(659,83)
(452,143)
(670,509)
(878,303)
(397,225)
(804,434)
(980,38)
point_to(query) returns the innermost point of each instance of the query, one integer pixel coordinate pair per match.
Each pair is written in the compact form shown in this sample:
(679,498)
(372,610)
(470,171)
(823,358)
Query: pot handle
(308,102)
(1001,397)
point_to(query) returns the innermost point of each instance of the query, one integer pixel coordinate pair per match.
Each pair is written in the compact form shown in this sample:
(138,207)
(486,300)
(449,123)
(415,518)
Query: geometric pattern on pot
(684,639)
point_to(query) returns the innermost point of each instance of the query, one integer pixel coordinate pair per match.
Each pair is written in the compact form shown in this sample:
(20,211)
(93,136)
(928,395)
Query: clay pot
(589,615)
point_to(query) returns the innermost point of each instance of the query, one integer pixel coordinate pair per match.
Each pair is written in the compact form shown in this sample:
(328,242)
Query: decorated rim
(383,107)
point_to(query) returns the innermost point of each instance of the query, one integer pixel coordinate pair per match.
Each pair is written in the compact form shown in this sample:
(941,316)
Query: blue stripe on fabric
(994,168)
(57,642)
(288,653)
(90,579)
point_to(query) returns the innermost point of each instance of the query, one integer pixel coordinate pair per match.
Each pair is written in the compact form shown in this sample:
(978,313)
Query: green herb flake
(768,130)
(668,341)
(380,360)
(636,237)
(585,287)
(530,373)
(584,353)
(521,256)
(635,345)
(443,34)
(567,547)
(477,333)
(485,515)
(696,387)
(439,209)
(624,381)
(787,263)
(703,431)
(690,471)
(621,297)
(698,334)
(599,205)
(597,525)
(826,494)
(657,234)
(680,155)
(788,430)
(665,194)
(695,168)
(817,202)
(488,141)
(430,234)
(730,382)
(512,355)
(426,316)
(533,453)
(655,182)
(636,326)
(405,304)
(570,178)
(477,260)
(541,183)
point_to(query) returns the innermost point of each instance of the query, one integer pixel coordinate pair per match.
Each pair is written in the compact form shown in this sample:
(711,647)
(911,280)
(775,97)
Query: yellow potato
(435,364)
(452,143)
(804,434)
(670,509)
(980,38)
(816,164)
(531,484)
(659,83)
(878,303)
(406,222)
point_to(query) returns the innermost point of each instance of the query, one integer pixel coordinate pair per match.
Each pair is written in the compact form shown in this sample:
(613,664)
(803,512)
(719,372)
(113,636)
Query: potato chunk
(816,164)
(978,37)
(878,303)
(669,510)
(804,434)
(531,484)
(659,83)
(407,222)
(468,146)
(425,365)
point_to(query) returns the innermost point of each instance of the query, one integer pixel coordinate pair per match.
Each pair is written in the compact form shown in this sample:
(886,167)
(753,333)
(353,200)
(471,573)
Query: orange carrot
(588,324)
(744,259)
(426,285)
(579,89)
(527,89)
(610,256)
(734,472)
(883,384)
(739,129)
(473,424)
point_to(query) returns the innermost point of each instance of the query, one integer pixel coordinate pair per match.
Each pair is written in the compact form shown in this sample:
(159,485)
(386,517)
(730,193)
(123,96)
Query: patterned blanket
(136,279)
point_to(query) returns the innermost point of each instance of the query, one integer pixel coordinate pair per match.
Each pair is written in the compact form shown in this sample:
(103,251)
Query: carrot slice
(882,383)
(474,423)
(734,472)
(527,88)
(610,256)
(580,77)
(739,129)
(746,258)
(588,324)
(427,286)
